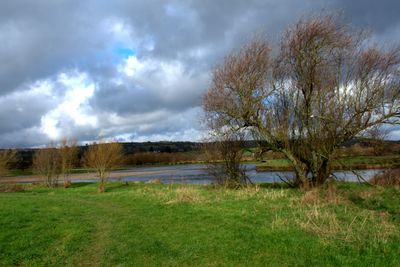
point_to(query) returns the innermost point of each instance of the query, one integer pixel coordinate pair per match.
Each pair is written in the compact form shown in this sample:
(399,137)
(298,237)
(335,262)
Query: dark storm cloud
(175,44)
(379,16)
(18,111)
(41,38)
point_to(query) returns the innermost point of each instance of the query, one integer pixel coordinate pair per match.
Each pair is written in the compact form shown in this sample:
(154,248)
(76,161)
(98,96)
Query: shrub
(46,163)
(389,177)
(10,188)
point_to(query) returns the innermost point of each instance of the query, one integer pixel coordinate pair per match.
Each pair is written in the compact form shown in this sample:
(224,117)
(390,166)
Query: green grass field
(177,225)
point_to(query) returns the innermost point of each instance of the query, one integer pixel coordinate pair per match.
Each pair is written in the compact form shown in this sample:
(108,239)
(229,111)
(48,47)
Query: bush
(389,177)
(224,156)
(10,188)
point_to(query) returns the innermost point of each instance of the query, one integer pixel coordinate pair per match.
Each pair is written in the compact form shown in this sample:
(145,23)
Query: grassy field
(177,225)
(343,163)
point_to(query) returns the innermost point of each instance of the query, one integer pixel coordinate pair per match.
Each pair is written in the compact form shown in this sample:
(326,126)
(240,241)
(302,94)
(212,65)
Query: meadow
(138,224)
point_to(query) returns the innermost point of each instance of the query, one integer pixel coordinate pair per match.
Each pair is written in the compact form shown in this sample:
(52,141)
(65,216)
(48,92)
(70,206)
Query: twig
(360,178)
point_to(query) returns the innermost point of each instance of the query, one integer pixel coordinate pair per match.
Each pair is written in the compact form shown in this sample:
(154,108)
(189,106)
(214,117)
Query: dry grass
(246,192)
(318,196)
(273,194)
(326,213)
(154,181)
(172,194)
(328,225)
(9,188)
(159,194)
(389,177)
(192,194)
(187,194)
(310,197)
(250,191)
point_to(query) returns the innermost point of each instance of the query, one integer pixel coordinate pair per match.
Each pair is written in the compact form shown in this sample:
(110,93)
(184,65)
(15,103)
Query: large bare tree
(103,157)
(325,85)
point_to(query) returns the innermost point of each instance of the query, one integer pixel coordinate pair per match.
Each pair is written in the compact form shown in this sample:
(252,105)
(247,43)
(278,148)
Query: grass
(351,162)
(186,225)
(20,172)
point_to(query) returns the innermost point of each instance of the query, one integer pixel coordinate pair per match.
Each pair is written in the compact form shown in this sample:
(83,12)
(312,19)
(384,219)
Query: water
(196,174)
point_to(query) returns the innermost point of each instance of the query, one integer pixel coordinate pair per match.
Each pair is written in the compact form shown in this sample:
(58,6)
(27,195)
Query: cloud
(135,70)
(72,110)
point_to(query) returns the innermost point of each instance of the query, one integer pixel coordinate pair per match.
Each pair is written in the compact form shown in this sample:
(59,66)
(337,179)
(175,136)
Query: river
(196,174)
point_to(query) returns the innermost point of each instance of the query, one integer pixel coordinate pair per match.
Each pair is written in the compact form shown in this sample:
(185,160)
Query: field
(343,163)
(181,225)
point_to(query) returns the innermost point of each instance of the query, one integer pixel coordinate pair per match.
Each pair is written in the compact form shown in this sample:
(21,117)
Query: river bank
(343,163)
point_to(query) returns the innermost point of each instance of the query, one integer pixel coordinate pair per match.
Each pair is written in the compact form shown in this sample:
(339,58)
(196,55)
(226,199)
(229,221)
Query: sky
(136,70)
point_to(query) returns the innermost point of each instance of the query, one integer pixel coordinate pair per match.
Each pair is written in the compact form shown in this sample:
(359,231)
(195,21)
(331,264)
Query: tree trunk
(323,172)
(102,186)
(300,170)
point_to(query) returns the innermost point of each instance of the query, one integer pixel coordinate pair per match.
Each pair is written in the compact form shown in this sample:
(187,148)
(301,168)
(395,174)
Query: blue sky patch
(124,52)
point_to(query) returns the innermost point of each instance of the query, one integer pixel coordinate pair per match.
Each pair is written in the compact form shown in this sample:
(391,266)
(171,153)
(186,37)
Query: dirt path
(79,176)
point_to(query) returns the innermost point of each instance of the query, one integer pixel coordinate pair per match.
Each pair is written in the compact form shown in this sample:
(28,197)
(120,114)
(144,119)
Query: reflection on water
(196,174)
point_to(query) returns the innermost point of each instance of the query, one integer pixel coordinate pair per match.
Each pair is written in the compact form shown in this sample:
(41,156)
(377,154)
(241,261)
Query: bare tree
(325,86)
(6,157)
(224,153)
(68,155)
(103,157)
(46,163)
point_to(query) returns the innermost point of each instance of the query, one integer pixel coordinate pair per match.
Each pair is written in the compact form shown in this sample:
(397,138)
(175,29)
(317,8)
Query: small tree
(324,87)
(46,163)
(6,157)
(224,153)
(68,154)
(103,157)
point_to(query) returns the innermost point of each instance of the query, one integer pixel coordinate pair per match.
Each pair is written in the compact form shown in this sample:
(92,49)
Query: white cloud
(73,107)
(168,79)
